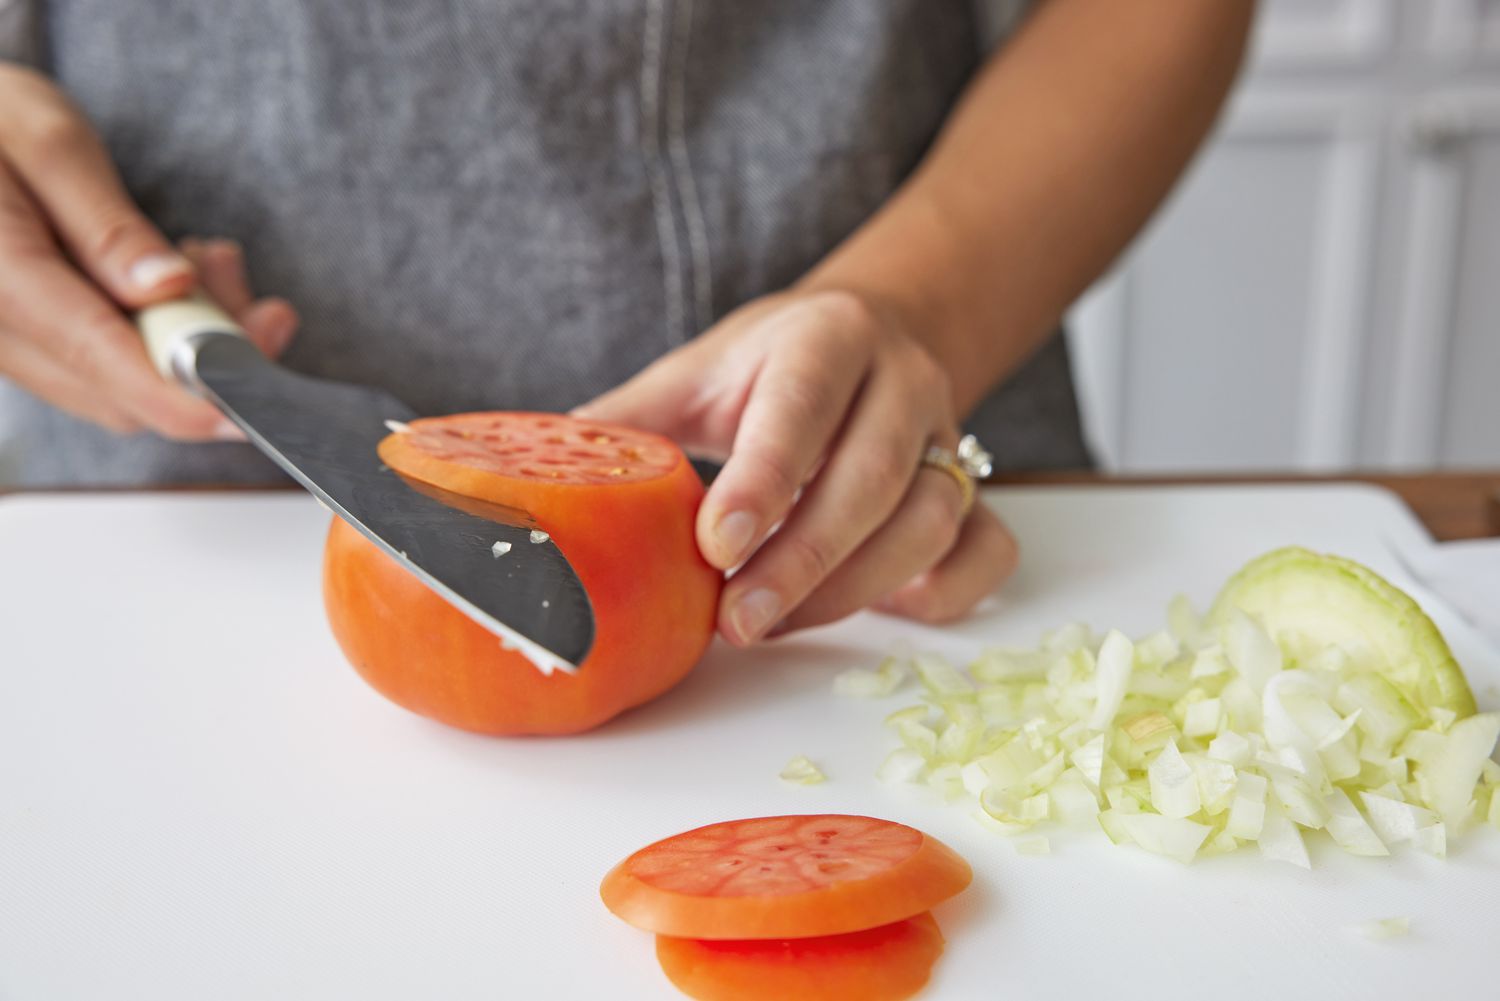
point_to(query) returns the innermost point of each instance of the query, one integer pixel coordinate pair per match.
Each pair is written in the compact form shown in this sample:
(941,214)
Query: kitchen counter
(1456,505)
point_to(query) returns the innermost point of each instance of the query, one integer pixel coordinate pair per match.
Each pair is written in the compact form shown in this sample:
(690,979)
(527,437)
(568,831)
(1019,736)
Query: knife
(324,434)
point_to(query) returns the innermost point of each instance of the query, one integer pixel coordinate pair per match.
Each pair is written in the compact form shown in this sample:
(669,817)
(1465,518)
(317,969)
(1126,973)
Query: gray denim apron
(507,204)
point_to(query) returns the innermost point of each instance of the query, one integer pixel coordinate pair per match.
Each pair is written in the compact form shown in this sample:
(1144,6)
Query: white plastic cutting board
(200,800)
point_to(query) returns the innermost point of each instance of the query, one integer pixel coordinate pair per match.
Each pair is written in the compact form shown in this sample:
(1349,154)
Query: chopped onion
(1247,811)
(1448,776)
(1384,928)
(802,771)
(539,536)
(941,678)
(1208,663)
(1035,844)
(1349,829)
(1393,820)
(499,549)
(1192,741)
(1170,836)
(1174,789)
(1116,657)
(1432,840)
(1216,782)
(1280,841)
(1089,760)
(901,765)
(1184,622)
(1202,719)
(882,681)
(1251,650)
(1230,747)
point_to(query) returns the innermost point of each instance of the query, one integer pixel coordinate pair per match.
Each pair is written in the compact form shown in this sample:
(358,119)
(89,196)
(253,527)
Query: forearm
(1062,147)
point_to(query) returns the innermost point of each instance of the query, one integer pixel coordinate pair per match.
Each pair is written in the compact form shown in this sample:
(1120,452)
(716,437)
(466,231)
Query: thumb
(662,397)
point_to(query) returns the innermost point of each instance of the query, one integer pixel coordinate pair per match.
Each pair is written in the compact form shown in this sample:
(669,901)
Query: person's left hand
(824,406)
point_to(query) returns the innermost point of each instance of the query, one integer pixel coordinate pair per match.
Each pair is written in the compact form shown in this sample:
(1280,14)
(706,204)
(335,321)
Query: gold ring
(966,465)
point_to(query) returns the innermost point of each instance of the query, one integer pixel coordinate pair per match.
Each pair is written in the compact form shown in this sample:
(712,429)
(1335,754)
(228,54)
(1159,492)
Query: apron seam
(700,259)
(653,73)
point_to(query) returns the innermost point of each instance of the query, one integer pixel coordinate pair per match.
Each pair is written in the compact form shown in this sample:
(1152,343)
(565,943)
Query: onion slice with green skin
(1220,732)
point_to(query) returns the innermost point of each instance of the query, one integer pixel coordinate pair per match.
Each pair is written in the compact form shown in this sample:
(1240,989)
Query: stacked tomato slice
(825,907)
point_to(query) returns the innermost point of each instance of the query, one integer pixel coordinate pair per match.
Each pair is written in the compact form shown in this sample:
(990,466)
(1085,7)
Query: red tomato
(783,877)
(888,963)
(619,503)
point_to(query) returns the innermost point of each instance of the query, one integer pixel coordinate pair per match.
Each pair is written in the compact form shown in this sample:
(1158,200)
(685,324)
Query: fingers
(75,253)
(221,272)
(813,366)
(48,380)
(865,477)
(982,559)
(270,323)
(57,157)
(919,535)
(659,398)
(52,308)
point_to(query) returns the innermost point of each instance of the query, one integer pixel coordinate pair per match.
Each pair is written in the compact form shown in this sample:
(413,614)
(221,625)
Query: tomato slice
(463,450)
(888,963)
(783,877)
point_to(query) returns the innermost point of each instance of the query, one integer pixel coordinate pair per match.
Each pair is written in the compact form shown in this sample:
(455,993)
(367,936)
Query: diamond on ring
(969,464)
(972,456)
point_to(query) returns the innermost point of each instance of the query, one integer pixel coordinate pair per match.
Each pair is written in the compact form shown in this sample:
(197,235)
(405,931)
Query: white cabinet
(1323,291)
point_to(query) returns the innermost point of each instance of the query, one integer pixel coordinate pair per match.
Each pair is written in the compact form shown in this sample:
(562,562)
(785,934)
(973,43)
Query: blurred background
(1323,291)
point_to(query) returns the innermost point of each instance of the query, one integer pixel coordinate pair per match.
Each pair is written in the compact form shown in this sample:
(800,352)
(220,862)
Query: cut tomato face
(619,503)
(888,963)
(784,877)
(461,452)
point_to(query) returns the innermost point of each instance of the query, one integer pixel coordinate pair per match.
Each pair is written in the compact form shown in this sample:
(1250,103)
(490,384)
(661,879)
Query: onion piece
(1173,837)
(1448,776)
(1348,829)
(884,680)
(1209,662)
(1185,622)
(1247,810)
(1383,928)
(901,765)
(941,678)
(1089,760)
(802,771)
(1202,719)
(1174,788)
(1251,650)
(1279,840)
(1116,658)
(1230,747)
(1035,844)
(1073,803)
(1433,840)
(1395,821)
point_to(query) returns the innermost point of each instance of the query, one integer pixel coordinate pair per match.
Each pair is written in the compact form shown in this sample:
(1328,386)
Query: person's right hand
(76,254)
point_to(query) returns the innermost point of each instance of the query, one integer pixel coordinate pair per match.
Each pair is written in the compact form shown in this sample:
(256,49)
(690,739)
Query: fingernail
(153,269)
(733,533)
(228,431)
(754,613)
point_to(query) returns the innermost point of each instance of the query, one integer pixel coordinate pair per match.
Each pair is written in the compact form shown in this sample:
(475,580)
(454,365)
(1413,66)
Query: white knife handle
(169,329)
